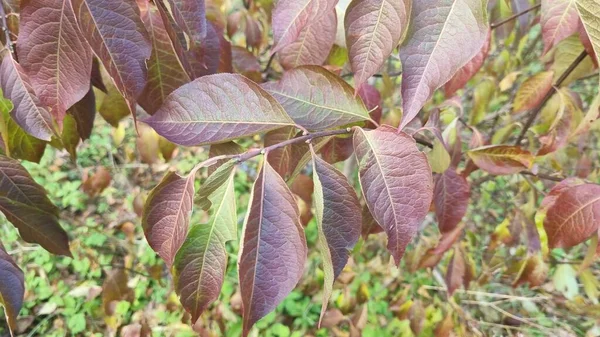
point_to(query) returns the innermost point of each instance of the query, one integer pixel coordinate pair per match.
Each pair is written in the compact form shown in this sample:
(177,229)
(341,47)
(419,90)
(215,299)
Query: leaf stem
(514,16)
(549,95)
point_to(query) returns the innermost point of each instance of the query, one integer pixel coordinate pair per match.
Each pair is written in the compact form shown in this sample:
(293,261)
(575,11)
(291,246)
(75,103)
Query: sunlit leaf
(167,212)
(54,54)
(373,31)
(501,159)
(200,264)
(532,92)
(26,205)
(273,248)
(444,36)
(559,21)
(338,215)
(590,16)
(317,99)
(312,45)
(573,215)
(12,288)
(28,112)
(217,108)
(451,197)
(396,183)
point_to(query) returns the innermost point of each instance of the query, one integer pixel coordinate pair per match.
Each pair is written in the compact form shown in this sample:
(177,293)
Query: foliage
(318,79)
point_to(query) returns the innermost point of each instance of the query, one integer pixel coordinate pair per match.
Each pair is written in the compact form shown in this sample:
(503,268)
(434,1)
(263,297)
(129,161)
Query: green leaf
(590,16)
(200,264)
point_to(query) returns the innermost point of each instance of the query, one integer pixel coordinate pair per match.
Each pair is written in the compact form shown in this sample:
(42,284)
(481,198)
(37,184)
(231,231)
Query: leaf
(438,158)
(167,212)
(273,250)
(532,92)
(69,138)
(113,107)
(280,158)
(396,183)
(54,53)
(245,63)
(123,52)
(372,99)
(338,215)
(445,36)
(228,148)
(147,144)
(190,15)
(17,143)
(534,271)
(590,16)
(558,132)
(301,155)
(28,112)
(97,182)
(217,108)
(337,149)
(501,159)
(312,45)
(165,71)
(573,217)
(458,273)
(373,30)
(559,20)
(12,288)
(25,205)
(451,198)
(200,264)
(565,281)
(214,181)
(290,17)
(566,52)
(114,288)
(464,74)
(84,113)
(317,99)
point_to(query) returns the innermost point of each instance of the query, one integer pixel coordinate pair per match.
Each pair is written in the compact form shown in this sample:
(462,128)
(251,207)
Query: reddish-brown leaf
(573,216)
(312,45)
(123,51)
(338,216)
(532,92)
(84,113)
(25,205)
(54,54)
(115,288)
(559,21)
(28,112)
(396,183)
(501,159)
(458,273)
(273,248)
(451,197)
(167,212)
(464,74)
(280,158)
(372,99)
(444,36)
(373,31)
(290,17)
(12,287)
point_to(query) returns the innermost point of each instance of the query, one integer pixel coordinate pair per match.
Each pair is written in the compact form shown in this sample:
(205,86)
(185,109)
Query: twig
(396,74)
(543,176)
(514,16)
(5,28)
(549,95)
(482,293)
(268,66)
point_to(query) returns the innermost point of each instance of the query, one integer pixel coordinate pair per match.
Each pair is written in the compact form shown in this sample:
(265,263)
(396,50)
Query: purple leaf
(464,74)
(167,212)
(338,215)
(28,112)
(445,35)
(54,54)
(12,288)
(290,17)
(190,15)
(396,183)
(451,198)
(200,264)
(165,71)
(25,205)
(217,108)
(312,45)
(317,99)
(122,51)
(280,158)
(84,113)
(373,31)
(273,248)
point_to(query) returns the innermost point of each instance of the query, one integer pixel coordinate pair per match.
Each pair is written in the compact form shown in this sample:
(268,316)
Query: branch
(543,176)
(514,16)
(549,95)
(5,28)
